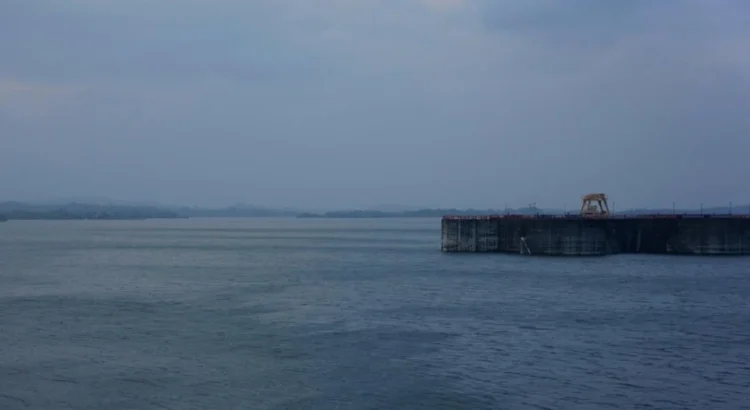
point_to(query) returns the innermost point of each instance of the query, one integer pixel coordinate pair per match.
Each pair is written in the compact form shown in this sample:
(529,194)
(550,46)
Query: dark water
(326,314)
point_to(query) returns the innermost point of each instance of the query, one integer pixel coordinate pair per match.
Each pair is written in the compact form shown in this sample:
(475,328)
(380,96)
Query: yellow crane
(589,206)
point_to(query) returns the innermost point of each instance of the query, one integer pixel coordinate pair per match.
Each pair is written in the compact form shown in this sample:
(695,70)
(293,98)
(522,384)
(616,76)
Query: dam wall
(690,235)
(555,235)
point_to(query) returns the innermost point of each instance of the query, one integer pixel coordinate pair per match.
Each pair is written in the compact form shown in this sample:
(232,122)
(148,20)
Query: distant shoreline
(439,213)
(375,215)
(10,211)
(79,211)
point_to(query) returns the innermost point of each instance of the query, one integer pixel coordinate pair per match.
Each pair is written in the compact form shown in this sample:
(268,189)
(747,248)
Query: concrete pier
(586,236)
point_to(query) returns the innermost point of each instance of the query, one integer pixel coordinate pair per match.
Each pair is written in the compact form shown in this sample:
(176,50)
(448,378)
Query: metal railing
(596,217)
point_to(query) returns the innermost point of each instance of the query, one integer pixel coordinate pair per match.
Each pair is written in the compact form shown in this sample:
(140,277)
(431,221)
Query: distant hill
(421,213)
(236,211)
(73,210)
(439,212)
(94,200)
(393,208)
(717,210)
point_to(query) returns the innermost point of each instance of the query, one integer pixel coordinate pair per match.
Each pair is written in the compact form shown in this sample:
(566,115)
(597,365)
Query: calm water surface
(356,314)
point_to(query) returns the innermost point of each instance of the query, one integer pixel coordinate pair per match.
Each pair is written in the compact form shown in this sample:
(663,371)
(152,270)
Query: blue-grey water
(356,314)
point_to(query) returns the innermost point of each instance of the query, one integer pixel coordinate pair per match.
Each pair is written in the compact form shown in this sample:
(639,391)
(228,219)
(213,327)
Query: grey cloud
(338,104)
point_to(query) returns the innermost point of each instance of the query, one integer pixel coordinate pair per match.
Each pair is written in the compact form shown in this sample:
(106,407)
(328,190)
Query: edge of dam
(579,235)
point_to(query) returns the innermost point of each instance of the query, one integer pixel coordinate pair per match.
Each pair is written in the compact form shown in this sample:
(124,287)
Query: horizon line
(375,208)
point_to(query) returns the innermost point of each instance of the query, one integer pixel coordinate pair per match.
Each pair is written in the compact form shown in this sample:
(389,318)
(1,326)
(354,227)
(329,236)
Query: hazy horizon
(331,104)
(739,208)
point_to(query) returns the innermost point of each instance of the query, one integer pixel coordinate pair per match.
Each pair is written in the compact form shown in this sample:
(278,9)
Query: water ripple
(356,314)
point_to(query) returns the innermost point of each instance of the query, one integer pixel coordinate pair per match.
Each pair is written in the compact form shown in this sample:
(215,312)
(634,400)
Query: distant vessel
(3,218)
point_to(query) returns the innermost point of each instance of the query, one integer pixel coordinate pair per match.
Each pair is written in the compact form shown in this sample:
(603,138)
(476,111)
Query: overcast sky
(354,103)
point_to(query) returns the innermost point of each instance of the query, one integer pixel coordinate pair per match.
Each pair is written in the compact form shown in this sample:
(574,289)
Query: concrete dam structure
(596,232)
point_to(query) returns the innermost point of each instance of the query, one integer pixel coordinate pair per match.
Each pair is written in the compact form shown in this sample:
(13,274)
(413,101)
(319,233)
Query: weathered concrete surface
(689,236)
(537,236)
(576,236)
